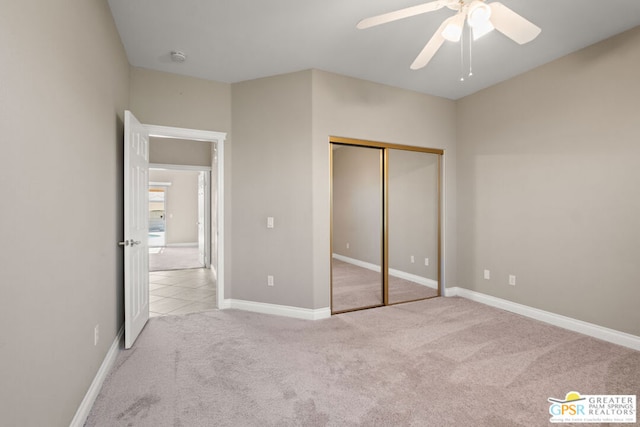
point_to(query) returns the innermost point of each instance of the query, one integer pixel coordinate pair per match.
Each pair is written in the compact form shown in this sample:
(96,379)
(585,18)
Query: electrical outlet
(270,223)
(347,246)
(413,259)
(512,280)
(270,281)
(426,261)
(96,334)
(487,275)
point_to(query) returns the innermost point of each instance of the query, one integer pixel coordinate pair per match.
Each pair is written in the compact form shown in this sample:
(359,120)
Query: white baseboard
(182,245)
(590,329)
(357,262)
(94,389)
(392,272)
(413,278)
(278,310)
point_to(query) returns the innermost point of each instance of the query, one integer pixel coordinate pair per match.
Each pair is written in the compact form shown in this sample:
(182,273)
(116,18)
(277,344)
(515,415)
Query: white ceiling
(236,40)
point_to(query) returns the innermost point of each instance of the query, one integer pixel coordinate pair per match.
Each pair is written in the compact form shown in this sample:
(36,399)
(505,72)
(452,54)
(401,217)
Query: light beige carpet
(357,287)
(437,362)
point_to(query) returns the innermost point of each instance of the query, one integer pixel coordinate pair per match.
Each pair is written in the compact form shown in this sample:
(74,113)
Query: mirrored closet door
(412,221)
(385,224)
(357,227)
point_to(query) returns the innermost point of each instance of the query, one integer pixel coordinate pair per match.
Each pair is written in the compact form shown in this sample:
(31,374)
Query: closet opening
(385,223)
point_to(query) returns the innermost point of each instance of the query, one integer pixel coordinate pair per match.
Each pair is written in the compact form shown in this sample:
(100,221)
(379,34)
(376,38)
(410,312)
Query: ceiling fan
(482,17)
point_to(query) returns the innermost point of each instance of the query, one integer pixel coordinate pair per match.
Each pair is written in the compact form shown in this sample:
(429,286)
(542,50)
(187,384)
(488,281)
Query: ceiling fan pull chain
(462,57)
(470,53)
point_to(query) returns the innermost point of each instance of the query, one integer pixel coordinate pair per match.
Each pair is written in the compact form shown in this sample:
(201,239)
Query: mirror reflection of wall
(357,227)
(384,251)
(413,225)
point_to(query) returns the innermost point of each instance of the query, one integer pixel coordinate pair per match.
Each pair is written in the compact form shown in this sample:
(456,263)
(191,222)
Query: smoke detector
(177,56)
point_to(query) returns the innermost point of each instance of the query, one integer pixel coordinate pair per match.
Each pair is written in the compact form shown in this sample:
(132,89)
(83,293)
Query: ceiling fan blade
(432,46)
(400,14)
(512,25)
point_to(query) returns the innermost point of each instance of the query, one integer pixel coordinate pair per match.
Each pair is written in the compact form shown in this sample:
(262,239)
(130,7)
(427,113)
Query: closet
(385,223)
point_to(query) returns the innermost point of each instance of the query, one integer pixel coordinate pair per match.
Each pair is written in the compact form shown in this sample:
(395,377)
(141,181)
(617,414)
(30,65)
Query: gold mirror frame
(385,212)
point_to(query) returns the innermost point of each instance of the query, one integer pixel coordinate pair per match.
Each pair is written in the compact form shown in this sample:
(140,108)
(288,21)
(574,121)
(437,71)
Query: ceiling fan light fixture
(481,30)
(479,14)
(453,30)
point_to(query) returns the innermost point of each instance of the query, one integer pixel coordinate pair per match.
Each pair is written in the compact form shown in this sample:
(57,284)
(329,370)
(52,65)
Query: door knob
(125,243)
(135,242)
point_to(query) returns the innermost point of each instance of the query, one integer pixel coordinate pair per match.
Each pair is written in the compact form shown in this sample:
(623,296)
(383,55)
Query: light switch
(269,222)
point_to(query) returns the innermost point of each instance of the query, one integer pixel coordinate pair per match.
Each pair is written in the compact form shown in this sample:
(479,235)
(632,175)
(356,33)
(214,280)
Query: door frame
(217,159)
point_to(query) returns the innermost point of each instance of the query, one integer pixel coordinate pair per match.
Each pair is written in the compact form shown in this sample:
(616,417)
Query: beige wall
(548,175)
(166,99)
(170,151)
(63,90)
(271,176)
(413,212)
(357,203)
(280,164)
(412,208)
(343,106)
(181,205)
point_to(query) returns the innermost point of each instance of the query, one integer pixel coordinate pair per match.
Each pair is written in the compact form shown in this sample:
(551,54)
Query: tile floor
(181,291)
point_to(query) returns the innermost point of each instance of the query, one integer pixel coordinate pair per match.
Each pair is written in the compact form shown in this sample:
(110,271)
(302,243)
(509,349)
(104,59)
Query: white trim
(182,133)
(590,329)
(182,245)
(218,138)
(392,272)
(190,168)
(94,389)
(430,283)
(451,292)
(159,184)
(206,176)
(278,310)
(357,262)
(220,227)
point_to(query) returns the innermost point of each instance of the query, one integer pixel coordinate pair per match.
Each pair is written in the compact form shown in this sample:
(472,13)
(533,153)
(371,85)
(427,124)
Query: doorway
(385,224)
(136,193)
(180,281)
(213,244)
(178,218)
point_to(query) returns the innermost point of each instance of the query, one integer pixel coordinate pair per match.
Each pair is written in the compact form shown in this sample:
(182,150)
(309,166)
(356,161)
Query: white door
(136,230)
(202,255)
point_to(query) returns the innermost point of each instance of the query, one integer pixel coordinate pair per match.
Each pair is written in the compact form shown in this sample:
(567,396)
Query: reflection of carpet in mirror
(356,287)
